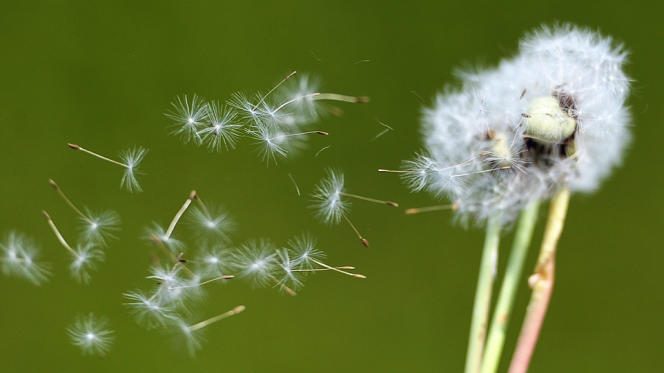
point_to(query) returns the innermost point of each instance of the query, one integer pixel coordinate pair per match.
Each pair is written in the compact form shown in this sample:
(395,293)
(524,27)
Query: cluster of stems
(485,345)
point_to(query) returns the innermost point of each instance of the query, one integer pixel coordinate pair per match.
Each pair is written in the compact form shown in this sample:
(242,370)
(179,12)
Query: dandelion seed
(327,197)
(383,132)
(96,227)
(91,335)
(420,210)
(214,262)
(275,143)
(322,149)
(249,111)
(85,256)
(307,258)
(188,115)
(159,235)
(258,261)
(191,333)
(287,277)
(148,310)
(20,258)
(331,207)
(297,188)
(221,127)
(130,161)
(211,223)
(132,158)
(173,289)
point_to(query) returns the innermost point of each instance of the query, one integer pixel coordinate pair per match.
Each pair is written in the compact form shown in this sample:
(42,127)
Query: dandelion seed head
(552,115)
(91,334)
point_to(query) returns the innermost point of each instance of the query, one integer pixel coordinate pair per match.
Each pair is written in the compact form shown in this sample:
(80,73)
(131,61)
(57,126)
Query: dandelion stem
(343,98)
(285,288)
(322,133)
(380,201)
(224,277)
(78,147)
(501,316)
(67,200)
(350,268)
(542,283)
(364,241)
(356,275)
(482,302)
(419,210)
(317,96)
(58,235)
(282,81)
(179,214)
(202,205)
(214,319)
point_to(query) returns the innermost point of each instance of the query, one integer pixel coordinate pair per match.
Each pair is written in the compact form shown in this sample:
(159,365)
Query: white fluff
(479,136)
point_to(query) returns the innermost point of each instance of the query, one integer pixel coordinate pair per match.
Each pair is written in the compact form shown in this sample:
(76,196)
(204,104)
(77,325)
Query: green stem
(483,295)
(501,315)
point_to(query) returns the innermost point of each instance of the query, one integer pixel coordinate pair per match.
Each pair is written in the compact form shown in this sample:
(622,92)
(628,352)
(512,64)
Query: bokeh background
(103,73)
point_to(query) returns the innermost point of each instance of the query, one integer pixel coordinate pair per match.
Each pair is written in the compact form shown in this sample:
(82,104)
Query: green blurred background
(102,74)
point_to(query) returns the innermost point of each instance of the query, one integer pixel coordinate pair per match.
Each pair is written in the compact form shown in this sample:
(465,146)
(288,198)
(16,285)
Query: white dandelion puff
(91,334)
(553,115)
(20,258)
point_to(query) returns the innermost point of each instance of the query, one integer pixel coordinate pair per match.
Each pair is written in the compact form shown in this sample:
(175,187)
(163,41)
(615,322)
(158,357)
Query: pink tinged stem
(542,283)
